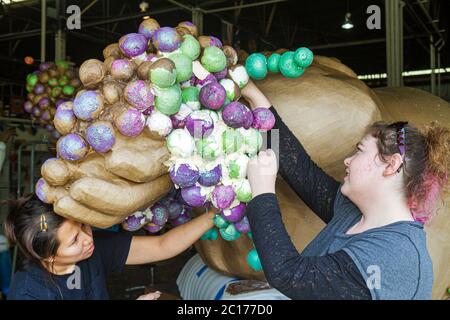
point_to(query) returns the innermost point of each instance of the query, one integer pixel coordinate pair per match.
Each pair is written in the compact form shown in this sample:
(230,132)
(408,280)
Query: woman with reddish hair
(374,243)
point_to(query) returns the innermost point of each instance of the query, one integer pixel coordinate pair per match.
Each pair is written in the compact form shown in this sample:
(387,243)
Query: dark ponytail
(24,226)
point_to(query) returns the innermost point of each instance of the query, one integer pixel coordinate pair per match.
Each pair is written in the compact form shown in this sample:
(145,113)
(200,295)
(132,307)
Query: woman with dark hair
(374,243)
(66,260)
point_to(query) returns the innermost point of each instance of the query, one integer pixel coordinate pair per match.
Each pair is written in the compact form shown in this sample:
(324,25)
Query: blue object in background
(5,265)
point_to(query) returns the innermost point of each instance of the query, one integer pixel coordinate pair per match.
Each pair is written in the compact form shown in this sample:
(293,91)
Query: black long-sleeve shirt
(332,276)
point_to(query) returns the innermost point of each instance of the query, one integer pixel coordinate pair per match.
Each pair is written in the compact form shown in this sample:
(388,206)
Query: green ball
(250,235)
(232,141)
(63,81)
(163,78)
(56,91)
(208,148)
(68,90)
(256,66)
(253,260)
(53,82)
(288,67)
(183,65)
(168,100)
(253,141)
(190,96)
(32,79)
(303,57)
(230,233)
(190,47)
(220,222)
(211,234)
(29,87)
(62,64)
(213,59)
(273,63)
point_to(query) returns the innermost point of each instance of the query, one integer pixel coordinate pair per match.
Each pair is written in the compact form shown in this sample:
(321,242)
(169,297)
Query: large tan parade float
(131,134)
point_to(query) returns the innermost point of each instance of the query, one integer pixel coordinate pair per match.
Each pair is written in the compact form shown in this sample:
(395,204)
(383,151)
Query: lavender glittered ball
(133,44)
(166,39)
(223,196)
(40,190)
(72,147)
(148,28)
(215,42)
(55,135)
(130,123)
(36,112)
(28,106)
(44,66)
(100,136)
(152,227)
(59,102)
(88,105)
(139,94)
(209,178)
(44,103)
(49,127)
(160,214)
(243,226)
(46,116)
(38,89)
(64,119)
(221,74)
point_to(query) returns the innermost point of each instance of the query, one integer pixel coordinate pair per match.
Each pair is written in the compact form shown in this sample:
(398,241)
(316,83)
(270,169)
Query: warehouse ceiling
(312,23)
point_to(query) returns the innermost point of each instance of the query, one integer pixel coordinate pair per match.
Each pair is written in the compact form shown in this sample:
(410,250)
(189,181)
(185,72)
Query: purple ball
(152,227)
(148,28)
(201,83)
(28,106)
(199,124)
(45,66)
(215,42)
(188,83)
(193,196)
(130,123)
(185,217)
(46,115)
(100,136)
(133,44)
(184,175)
(49,127)
(263,119)
(41,187)
(55,134)
(59,102)
(44,103)
(166,39)
(72,147)
(179,119)
(236,115)
(148,111)
(160,214)
(221,74)
(223,196)
(87,105)
(176,209)
(212,177)
(213,96)
(234,214)
(134,222)
(243,226)
(38,89)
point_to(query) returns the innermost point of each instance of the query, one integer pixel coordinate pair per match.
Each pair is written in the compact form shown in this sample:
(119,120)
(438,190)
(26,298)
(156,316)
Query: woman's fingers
(150,296)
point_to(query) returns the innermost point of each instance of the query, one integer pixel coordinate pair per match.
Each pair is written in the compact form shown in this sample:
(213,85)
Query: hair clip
(43,224)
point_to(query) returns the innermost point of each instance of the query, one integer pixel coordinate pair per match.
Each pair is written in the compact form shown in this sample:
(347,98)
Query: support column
(43,28)
(433,66)
(197,19)
(60,36)
(394,42)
